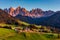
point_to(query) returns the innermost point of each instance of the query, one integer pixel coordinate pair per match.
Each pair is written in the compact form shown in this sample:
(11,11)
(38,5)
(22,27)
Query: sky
(31,4)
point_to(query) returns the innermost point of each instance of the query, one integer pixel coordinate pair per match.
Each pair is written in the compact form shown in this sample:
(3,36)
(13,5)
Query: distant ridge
(34,13)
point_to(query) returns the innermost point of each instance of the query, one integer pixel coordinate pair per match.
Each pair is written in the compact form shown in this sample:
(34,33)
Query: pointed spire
(18,7)
(11,8)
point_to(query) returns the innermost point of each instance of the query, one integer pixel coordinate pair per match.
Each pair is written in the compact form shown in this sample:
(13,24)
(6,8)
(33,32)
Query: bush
(8,27)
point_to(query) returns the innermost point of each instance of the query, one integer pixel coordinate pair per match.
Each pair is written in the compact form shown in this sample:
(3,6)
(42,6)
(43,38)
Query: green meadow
(8,34)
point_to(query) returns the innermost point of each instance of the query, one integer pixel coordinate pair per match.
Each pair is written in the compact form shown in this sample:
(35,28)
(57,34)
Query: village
(30,28)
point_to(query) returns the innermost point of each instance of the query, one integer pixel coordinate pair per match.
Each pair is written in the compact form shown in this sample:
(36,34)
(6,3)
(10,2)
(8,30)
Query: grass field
(7,34)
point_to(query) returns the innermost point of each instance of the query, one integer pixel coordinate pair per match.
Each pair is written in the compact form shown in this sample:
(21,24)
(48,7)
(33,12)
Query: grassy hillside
(7,34)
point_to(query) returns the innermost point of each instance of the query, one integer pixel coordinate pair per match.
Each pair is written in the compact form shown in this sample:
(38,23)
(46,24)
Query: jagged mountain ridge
(34,13)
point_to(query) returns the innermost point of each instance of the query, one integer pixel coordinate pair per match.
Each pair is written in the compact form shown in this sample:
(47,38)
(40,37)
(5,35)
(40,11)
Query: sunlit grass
(21,22)
(8,34)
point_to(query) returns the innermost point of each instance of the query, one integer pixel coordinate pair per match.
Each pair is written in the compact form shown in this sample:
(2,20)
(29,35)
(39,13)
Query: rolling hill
(5,18)
(7,34)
